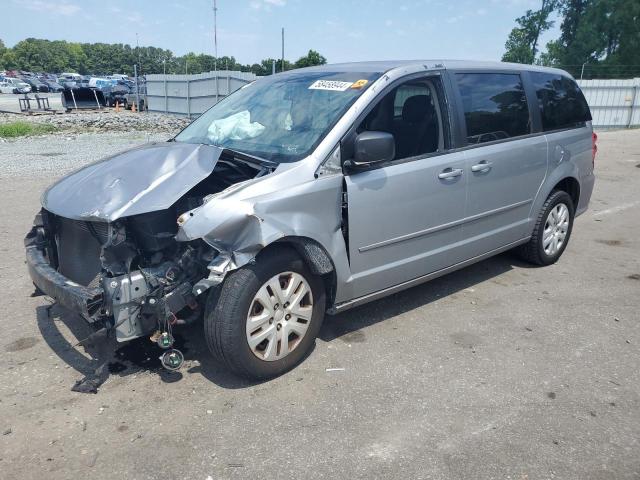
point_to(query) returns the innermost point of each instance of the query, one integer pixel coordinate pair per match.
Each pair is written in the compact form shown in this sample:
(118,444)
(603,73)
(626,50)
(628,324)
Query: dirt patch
(354,337)
(611,243)
(21,344)
(51,154)
(466,340)
(634,276)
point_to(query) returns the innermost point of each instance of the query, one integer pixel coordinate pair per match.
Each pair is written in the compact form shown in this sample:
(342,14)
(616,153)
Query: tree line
(598,38)
(56,56)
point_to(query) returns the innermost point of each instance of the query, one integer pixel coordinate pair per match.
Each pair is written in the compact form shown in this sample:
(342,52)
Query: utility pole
(135,70)
(138,48)
(215,35)
(282,67)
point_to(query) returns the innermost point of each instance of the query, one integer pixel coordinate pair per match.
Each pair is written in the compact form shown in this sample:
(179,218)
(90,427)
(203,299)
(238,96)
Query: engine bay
(145,275)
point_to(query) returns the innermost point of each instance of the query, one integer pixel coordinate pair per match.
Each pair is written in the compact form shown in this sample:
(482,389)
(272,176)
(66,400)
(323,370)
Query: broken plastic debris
(334,370)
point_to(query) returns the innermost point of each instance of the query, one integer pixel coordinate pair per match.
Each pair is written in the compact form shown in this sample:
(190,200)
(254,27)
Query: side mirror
(373,147)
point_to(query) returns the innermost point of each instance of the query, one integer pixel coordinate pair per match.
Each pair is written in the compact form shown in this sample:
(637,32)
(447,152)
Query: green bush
(24,129)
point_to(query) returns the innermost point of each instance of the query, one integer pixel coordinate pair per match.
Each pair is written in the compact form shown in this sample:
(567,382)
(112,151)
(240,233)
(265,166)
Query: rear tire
(230,310)
(552,231)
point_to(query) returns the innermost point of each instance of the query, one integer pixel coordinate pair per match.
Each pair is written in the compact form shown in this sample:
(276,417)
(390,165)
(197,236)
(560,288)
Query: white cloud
(388,23)
(62,7)
(266,4)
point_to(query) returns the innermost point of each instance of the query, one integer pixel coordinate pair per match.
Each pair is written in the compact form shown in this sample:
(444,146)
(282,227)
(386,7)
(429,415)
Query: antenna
(215,35)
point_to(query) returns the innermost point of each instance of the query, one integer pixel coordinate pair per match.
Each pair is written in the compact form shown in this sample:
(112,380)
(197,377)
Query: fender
(559,173)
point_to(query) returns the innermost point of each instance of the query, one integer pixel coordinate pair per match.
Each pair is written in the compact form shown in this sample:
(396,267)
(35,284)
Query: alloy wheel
(555,229)
(279,316)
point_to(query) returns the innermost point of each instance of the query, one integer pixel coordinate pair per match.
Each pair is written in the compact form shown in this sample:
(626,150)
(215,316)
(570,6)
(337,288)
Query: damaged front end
(130,273)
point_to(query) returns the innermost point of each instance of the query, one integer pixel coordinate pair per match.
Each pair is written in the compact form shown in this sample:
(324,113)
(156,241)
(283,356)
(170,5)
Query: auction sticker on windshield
(334,85)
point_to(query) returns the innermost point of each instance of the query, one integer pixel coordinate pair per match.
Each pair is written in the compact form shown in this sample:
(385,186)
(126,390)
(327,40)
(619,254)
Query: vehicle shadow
(352,321)
(104,356)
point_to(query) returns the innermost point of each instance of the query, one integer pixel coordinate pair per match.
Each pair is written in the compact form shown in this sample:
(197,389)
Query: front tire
(263,320)
(552,230)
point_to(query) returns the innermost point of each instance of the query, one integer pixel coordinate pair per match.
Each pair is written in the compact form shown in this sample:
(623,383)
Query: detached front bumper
(84,300)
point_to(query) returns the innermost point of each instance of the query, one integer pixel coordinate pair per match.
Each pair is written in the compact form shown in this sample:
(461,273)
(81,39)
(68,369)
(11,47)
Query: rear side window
(404,92)
(495,106)
(562,104)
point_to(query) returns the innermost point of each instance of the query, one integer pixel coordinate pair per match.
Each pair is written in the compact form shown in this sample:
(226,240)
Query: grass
(24,129)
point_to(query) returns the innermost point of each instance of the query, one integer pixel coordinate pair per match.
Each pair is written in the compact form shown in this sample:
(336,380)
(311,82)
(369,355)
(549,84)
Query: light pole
(282,69)
(215,36)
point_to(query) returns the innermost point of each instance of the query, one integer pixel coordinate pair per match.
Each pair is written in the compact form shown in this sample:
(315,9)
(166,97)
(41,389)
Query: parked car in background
(130,98)
(70,76)
(36,85)
(18,85)
(118,76)
(115,94)
(6,87)
(53,86)
(317,190)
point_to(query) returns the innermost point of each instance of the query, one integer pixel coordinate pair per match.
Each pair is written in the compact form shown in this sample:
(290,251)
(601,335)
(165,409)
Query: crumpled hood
(145,179)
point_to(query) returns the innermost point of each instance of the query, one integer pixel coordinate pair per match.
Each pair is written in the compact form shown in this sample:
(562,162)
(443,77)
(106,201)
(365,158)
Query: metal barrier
(191,95)
(613,103)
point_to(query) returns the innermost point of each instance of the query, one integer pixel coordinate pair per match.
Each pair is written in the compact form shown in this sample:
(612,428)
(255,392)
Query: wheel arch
(571,185)
(315,257)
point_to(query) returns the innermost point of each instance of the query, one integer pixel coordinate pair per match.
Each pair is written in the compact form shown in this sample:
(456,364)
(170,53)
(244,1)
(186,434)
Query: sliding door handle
(483,166)
(450,173)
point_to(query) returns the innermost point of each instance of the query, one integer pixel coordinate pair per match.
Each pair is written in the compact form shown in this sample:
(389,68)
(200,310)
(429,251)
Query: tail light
(594,148)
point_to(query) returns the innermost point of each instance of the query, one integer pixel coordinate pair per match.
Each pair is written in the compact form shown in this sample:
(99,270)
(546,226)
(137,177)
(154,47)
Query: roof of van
(385,65)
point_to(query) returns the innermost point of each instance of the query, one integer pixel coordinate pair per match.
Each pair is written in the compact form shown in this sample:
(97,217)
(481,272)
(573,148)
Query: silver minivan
(311,192)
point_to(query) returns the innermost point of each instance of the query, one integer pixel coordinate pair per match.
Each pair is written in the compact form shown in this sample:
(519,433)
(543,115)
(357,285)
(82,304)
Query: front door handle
(483,166)
(450,173)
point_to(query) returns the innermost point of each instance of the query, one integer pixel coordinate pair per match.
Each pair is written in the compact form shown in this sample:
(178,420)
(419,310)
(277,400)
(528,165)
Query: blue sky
(347,30)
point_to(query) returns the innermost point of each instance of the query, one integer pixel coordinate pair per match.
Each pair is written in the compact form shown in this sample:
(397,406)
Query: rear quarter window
(562,104)
(495,106)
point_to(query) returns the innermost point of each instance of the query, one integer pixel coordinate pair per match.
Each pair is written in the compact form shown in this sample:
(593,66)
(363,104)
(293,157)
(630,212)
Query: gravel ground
(497,371)
(53,155)
(106,121)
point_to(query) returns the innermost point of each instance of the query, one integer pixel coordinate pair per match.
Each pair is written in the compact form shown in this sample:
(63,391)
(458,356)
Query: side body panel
(404,221)
(500,197)
(504,178)
(573,147)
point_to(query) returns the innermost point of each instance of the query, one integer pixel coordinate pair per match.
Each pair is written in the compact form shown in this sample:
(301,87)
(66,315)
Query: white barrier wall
(191,95)
(613,103)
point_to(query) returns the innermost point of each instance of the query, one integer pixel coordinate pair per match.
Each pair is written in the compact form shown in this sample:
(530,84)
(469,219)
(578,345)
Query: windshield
(281,117)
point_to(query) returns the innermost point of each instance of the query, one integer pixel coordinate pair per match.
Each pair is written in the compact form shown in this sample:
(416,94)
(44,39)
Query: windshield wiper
(251,157)
(241,155)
